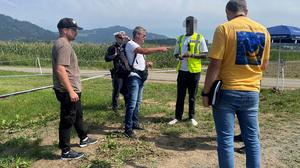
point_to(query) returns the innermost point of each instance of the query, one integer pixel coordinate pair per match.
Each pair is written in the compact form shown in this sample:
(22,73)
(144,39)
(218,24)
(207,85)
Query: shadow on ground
(171,138)
(27,149)
(182,143)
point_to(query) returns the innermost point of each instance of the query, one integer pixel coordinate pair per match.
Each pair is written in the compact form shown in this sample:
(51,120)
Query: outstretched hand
(164,49)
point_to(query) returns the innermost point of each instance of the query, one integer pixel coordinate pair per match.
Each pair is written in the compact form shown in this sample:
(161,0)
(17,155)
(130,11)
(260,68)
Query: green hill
(15,30)
(12,29)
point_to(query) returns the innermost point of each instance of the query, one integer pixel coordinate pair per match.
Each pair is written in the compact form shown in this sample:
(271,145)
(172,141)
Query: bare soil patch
(280,143)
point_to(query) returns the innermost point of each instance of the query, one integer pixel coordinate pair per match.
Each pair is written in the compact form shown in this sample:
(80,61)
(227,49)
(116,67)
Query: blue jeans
(245,105)
(135,91)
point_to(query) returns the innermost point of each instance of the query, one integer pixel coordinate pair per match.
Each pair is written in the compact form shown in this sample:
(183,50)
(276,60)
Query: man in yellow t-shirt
(238,55)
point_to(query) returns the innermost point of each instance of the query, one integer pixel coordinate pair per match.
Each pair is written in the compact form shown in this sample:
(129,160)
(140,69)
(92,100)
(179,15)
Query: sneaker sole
(82,146)
(71,158)
(194,124)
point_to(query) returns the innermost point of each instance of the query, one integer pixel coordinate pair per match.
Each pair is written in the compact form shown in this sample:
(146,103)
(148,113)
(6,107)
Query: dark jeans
(135,93)
(70,114)
(119,86)
(186,80)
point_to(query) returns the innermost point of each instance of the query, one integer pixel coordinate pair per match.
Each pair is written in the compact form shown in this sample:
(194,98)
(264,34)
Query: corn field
(92,56)
(89,55)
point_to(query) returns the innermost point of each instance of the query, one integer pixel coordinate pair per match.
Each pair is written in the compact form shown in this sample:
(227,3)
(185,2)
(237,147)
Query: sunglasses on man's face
(143,35)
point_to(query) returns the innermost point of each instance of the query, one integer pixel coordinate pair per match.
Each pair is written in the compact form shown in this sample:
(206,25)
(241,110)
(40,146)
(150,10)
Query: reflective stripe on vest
(194,65)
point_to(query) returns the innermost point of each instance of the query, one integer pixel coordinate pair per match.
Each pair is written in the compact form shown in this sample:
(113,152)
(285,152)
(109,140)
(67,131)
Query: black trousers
(119,86)
(70,115)
(186,81)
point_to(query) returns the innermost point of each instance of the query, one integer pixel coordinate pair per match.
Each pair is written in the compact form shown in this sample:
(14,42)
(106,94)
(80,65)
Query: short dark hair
(237,6)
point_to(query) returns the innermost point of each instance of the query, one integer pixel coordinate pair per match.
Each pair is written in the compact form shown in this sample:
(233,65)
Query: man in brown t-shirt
(67,87)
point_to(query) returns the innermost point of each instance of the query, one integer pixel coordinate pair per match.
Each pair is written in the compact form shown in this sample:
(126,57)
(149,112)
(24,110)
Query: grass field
(29,126)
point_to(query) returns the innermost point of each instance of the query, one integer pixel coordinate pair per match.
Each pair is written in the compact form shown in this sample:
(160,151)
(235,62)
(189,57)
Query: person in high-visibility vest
(190,48)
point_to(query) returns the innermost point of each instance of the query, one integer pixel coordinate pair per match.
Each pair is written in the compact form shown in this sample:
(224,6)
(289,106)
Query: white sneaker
(174,121)
(194,122)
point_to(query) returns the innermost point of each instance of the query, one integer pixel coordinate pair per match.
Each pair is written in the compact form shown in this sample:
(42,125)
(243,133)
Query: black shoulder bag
(143,74)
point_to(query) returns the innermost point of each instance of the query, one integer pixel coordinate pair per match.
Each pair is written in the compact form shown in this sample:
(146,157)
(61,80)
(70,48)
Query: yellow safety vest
(194,64)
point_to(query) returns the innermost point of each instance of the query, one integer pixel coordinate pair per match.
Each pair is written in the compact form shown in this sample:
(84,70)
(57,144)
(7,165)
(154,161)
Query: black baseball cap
(68,23)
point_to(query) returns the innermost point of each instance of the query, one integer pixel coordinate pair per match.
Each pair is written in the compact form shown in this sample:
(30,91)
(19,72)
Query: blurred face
(189,28)
(190,25)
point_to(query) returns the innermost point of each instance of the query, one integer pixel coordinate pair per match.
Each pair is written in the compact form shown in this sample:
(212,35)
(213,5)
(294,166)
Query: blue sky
(158,16)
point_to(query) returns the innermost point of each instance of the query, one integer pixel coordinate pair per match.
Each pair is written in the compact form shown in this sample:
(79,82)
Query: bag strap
(134,59)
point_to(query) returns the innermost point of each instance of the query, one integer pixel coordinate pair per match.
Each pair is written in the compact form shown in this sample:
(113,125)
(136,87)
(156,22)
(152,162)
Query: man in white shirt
(135,83)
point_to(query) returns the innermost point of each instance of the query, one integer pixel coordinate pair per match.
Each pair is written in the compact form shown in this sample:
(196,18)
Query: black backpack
(122,67)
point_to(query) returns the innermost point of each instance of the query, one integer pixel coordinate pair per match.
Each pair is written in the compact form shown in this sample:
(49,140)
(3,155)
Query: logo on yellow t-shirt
(250,47)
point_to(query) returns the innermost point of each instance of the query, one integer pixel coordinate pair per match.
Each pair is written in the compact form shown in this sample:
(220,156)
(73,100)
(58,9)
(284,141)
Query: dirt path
(158,76)
(189,151)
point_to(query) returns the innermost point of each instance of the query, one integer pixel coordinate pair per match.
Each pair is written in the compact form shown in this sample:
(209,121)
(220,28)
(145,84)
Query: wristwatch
(204,94)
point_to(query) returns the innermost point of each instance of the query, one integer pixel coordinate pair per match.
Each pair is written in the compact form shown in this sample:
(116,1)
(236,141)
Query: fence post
(278,67)
(39,64)
(282,73)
